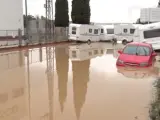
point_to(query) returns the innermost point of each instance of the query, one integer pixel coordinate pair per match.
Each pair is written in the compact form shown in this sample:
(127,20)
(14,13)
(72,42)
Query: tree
(81,11)
(61,13)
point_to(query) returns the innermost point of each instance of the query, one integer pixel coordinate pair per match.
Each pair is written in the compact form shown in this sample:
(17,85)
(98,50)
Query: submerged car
(136,54)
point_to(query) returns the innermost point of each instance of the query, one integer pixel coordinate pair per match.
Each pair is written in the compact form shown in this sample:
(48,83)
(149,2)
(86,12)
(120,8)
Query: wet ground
(73,82)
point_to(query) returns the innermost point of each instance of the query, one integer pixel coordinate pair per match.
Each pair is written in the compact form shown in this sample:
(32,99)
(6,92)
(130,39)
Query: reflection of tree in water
(62,71)
(80,79)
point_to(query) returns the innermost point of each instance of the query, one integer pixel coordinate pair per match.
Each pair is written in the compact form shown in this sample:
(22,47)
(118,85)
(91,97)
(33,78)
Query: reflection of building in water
(62,71)
(85,51)
(12,86)
(80,79)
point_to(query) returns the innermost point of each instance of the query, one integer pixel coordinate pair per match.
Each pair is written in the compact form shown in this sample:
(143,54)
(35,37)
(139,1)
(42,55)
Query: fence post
(20,37)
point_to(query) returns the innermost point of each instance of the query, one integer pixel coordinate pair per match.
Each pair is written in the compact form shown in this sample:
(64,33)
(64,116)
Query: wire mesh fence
(15,38)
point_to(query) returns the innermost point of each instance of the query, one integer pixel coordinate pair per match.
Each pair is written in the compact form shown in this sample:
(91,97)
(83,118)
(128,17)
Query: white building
(11,13)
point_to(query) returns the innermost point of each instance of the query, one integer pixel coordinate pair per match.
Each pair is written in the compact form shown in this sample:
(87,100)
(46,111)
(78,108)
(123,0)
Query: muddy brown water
(81,82)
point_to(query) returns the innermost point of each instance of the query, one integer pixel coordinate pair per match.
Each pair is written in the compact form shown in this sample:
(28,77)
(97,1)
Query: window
(74,55)
(89,53)
(102,30)
(137,50)
(151,33)
(132,31)
(95,31)
(125,30)
(74,30)
(102,52)
(110,31)
(95,52)
(90,30)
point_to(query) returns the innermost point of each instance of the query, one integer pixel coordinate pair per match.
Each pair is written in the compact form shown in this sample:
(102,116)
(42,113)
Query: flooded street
(73,82)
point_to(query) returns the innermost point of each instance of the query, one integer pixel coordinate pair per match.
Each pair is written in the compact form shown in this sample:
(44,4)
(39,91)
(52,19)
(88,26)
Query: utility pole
(26,17)
(49,53)
(49,21)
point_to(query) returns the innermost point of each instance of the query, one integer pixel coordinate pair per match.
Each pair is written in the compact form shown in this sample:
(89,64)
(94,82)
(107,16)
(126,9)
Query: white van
(107,33)
(124,32)
(84,32)
(149,33)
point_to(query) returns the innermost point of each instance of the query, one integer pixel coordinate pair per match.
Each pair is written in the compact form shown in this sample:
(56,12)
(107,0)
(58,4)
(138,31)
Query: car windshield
(137,50)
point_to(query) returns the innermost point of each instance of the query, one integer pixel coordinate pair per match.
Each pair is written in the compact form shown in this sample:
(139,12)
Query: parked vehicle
(136,54)
(107,33)
(124,32)
(84,33)
(149,33)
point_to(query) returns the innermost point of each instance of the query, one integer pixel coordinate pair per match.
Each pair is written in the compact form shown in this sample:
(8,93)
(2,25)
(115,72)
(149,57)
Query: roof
(150,26)
(139,44)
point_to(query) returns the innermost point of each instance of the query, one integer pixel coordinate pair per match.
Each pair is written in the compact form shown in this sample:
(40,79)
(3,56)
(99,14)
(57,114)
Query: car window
(143,51)
(130,49)
(137,50)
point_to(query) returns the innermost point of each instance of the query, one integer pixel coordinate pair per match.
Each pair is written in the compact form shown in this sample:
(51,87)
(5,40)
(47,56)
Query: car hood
(133,58)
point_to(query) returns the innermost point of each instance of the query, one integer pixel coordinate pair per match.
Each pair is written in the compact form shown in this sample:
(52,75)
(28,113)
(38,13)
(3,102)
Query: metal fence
(15,38)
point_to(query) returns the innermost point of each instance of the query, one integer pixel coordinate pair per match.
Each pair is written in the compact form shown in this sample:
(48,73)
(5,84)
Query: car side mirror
(154,54)
(119,51)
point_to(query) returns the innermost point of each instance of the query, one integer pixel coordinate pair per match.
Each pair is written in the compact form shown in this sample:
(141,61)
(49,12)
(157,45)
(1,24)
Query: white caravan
(84,51)
(149,33)
(107,33)
(124,32)
(84,32)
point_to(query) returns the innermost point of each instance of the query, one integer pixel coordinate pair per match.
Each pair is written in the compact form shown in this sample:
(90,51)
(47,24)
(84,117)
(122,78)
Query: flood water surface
(72,82)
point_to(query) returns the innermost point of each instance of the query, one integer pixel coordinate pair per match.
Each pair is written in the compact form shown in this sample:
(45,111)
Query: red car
(136,54)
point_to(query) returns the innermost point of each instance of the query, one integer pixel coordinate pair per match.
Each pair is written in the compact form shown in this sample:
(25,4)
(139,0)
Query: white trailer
(84,51)
(84,32)
(107,33)
(124,32)
(149,33)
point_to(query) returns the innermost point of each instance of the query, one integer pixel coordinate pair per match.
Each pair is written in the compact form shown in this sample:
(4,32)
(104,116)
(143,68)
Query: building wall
(11,13)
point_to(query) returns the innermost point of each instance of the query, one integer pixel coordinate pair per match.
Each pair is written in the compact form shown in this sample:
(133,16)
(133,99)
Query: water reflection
(12,86)
(80,80)
(133,72)
(62,72)
(28,86)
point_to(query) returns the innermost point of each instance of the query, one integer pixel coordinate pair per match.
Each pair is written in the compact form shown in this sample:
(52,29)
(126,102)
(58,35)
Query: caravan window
(132,31)
(151,33)
(90,30)
(95,31)
(74,30)
(102,30)
(110,31)
(125,30)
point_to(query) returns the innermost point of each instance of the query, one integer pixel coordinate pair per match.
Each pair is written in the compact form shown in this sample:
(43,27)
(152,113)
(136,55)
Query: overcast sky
(103,10)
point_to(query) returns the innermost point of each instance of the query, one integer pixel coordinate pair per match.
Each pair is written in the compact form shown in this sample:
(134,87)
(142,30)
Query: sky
(103,11)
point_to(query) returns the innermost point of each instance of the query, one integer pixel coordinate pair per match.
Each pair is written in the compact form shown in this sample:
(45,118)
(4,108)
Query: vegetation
(61,13)
(155,106)
(81,11)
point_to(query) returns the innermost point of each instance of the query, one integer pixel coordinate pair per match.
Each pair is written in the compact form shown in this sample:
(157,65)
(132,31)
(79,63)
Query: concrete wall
(61,34)
(37,32)
(11,13)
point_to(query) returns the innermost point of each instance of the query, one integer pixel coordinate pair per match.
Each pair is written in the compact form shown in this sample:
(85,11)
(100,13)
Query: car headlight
(144,64)
(120,61)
